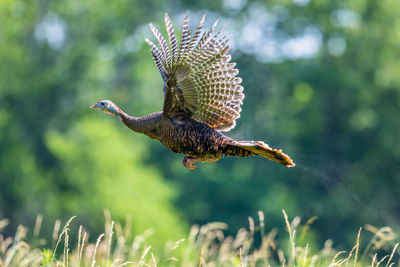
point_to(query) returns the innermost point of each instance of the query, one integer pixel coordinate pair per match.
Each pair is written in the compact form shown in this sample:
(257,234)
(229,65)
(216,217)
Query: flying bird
(202,98)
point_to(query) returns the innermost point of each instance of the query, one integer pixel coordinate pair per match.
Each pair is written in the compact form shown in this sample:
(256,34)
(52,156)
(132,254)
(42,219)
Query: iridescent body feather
(202,96)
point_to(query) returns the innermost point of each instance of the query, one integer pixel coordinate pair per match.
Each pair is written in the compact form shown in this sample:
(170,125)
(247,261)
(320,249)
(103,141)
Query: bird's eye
(102,103)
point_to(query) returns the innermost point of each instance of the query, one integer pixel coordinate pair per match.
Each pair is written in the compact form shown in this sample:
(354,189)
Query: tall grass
(205,245)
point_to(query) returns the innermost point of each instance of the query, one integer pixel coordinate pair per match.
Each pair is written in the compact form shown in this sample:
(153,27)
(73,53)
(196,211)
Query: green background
(322,82)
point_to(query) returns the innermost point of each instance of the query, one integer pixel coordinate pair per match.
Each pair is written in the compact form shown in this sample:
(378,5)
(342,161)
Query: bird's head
(108,107)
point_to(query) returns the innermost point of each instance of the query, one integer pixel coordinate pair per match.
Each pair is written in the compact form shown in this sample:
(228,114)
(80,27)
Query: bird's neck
(148,125)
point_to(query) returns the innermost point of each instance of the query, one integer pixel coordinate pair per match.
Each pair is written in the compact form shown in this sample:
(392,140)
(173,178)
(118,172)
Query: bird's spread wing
(199,80)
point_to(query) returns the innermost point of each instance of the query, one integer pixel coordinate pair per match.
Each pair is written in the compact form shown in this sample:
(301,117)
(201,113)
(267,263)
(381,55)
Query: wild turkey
(202,96)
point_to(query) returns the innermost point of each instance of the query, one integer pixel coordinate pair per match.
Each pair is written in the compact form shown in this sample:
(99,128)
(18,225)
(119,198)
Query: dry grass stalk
(291,236)
(205,246)
(66,228)
(95,249)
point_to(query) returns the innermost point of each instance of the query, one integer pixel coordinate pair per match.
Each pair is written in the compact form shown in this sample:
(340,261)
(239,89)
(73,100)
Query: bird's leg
(189,161)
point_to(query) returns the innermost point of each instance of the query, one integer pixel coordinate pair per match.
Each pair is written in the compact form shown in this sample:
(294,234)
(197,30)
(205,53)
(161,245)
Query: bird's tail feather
(262,149)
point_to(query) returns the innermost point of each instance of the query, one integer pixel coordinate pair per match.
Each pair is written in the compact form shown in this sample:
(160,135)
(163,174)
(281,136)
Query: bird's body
(202,97)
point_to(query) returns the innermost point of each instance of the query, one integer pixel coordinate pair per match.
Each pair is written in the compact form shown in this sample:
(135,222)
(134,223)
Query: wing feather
(158,58)
(185,39)
(162,43)
(172,39)
(199,78)
(196,35)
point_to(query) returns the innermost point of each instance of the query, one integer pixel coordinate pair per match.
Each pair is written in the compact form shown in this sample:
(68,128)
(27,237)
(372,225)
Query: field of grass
(205,245)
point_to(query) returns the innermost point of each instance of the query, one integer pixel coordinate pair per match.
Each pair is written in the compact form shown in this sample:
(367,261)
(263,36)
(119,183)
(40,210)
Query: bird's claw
(188,162)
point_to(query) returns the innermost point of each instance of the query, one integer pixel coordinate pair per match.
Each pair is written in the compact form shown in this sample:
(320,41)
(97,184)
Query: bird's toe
(188,162)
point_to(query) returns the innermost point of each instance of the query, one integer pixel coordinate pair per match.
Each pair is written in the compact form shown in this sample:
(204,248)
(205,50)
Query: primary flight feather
(202,96)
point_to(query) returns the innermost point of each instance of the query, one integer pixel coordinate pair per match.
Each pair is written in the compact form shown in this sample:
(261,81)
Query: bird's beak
(93,106)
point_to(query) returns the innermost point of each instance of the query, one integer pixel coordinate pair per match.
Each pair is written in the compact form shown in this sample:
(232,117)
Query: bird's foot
(189,162)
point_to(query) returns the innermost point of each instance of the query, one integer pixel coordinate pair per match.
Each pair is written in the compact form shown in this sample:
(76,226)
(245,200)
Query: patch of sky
(345,18)
(52,30)
(306,45)
(336,45)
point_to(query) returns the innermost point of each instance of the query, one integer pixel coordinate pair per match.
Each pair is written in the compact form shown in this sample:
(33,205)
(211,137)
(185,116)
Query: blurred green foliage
(321,80)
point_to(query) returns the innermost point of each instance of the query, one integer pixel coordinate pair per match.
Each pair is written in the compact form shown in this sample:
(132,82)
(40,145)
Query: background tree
(321,80)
